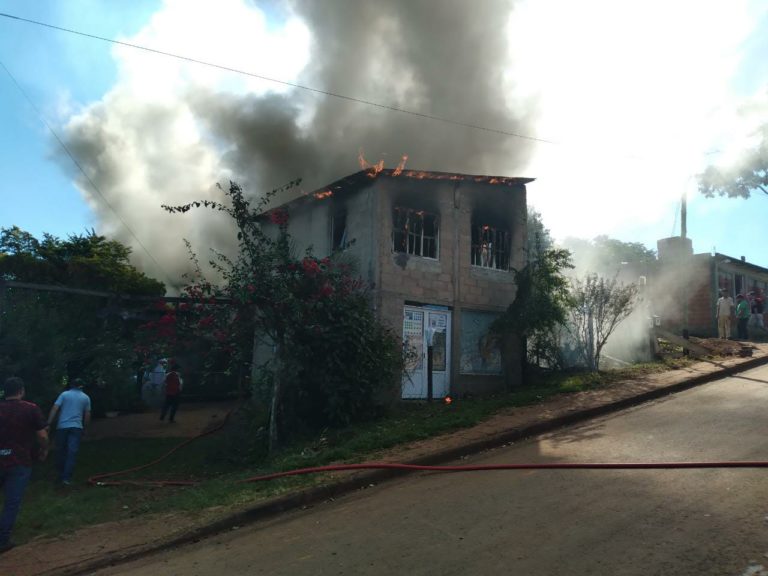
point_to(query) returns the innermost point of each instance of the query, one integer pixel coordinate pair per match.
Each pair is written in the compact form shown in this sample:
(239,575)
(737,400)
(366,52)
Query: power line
(82,171)
(285,83)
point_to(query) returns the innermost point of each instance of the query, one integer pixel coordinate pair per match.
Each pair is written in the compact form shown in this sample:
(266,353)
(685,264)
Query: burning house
(438,250)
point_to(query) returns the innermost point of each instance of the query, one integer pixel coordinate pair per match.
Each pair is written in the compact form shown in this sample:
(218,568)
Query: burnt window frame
(408,232)
(490,246)
(339,241)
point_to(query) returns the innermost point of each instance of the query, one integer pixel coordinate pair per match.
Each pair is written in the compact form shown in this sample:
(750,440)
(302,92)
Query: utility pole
(686,293)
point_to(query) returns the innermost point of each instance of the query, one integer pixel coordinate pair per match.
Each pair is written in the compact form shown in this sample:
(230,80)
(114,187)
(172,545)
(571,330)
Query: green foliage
(541,304)
(83,261)
(539,240)
(749,174)
(599,306)
(47,336)
(604,255)
(332,362)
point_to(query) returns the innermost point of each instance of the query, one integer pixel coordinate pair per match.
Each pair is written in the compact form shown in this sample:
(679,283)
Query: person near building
(743,314)
(154,380)
(23,437)
(757,308)
(173,387)
(723,313)
(73,408)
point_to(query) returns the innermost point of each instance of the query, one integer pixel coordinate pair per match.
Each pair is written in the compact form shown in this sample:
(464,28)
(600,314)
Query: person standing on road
(742,317)
(73,407)
(723,313)
(173,387)
(22,427)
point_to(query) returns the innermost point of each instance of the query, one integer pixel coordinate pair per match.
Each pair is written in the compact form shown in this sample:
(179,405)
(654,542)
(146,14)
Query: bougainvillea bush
(331,362)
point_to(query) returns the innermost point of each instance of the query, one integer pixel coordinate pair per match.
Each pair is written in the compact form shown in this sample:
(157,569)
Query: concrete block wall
(450,280)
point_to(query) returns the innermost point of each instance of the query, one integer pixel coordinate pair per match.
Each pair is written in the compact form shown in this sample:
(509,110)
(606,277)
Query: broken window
(490,246)
(339,239)
(415,232)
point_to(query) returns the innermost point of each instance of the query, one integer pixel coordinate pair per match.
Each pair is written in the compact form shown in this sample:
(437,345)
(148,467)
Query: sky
(621,105)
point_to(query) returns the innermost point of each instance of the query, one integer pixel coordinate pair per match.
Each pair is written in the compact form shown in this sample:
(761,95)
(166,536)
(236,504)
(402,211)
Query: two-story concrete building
(438,251)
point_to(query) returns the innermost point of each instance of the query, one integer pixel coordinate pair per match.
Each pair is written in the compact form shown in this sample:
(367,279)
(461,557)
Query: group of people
(24,438)
(24,434)
(746,308)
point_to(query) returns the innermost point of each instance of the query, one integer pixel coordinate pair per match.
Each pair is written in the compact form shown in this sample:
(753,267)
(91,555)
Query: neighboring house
(682,284)
(437,250)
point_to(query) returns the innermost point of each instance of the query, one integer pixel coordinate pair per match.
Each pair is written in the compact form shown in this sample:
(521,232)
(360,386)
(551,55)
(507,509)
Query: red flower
(167,320)
(279,217)
(326,290)
(311,267)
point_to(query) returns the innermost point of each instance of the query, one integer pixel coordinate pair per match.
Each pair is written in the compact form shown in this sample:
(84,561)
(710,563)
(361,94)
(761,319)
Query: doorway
(418,321)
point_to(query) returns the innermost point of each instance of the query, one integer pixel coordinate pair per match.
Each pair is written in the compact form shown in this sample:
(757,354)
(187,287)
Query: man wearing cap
(22,429)
(73,407)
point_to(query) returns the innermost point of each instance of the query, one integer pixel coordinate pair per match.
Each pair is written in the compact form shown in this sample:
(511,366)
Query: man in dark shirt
(22,427)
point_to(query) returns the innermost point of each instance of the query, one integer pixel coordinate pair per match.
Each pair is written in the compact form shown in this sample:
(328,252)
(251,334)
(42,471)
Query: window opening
(490,247)
(339,231)
(415,232)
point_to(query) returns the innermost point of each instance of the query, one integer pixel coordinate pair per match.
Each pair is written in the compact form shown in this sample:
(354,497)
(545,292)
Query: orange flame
(375,169)
(400,166)
(323,194)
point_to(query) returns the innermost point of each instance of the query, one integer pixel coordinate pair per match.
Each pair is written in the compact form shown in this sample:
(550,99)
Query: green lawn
(49,510)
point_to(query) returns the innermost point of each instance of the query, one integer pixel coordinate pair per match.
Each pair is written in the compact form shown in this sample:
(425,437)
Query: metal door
(418,323)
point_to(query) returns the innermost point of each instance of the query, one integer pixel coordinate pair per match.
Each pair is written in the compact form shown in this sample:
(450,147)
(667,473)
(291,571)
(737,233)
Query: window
(490,247)
(339,231)
(415,232)
(725,282)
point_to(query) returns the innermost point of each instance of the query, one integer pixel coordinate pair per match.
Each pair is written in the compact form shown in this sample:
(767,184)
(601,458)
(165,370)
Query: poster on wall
(413,339)
(479,353)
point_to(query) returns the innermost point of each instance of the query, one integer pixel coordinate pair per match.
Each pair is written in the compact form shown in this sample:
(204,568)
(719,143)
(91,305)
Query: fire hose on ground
(104,479)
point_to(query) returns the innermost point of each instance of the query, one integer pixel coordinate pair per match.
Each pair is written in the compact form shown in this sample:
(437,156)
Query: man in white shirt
(723,313)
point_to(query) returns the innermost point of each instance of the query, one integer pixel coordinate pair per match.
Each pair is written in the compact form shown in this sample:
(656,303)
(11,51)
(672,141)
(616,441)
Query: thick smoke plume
(168,136)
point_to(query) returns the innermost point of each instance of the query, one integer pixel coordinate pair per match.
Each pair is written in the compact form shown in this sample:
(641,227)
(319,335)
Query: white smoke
(634,94)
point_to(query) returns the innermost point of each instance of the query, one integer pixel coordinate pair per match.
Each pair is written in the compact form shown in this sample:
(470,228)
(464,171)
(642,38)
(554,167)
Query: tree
(599,306)
(47,337)
(604,255)
(331,362)
(82,261)
(539,240)
(540,306)
(741,179)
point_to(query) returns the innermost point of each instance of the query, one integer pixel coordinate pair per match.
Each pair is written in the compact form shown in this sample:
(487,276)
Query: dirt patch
(192,419)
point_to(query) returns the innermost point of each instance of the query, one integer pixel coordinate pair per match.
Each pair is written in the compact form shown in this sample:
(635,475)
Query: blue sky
(633,200)
(55,69)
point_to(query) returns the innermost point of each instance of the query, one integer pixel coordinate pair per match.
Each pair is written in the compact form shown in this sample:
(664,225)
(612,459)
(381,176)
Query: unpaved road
(671,522)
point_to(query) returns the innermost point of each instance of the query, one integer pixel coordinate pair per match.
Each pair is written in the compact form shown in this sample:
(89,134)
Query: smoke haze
(168,131)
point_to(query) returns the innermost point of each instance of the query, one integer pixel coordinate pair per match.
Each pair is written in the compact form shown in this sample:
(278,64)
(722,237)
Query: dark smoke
(446,58)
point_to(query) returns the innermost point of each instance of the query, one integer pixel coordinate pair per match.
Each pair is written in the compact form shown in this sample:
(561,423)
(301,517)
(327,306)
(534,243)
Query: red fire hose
(487,467)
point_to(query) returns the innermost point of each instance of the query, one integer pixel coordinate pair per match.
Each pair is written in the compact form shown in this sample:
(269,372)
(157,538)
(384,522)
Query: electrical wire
(83,172)
(283,82)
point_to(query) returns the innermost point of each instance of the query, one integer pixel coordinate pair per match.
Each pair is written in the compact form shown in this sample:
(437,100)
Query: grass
(49,511)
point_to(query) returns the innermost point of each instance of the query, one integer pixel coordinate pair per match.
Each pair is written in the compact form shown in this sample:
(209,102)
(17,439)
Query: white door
(417,322)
